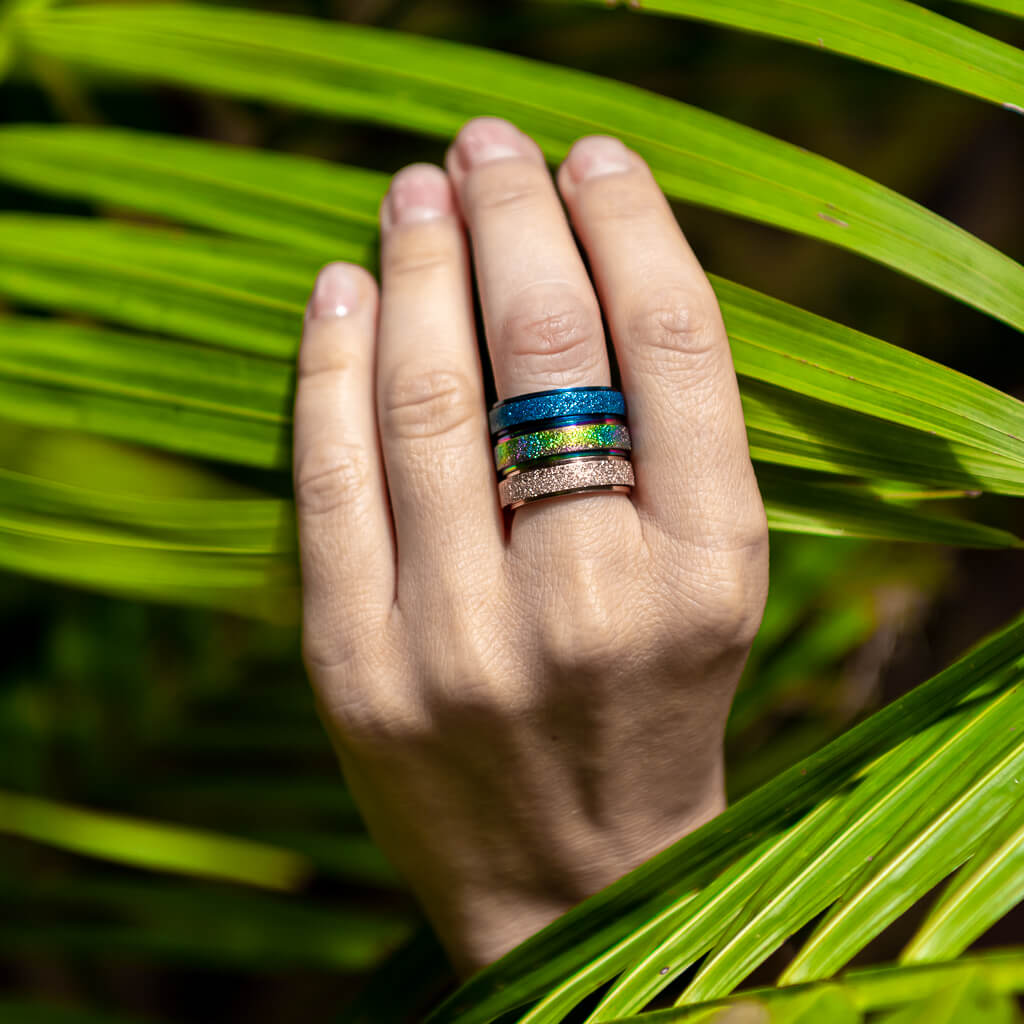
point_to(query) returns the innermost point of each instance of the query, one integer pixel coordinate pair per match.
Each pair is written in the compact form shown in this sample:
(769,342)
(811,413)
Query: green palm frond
(239,553)
(232,553)
(892,33)
(433,86)
(977,989)
(988,885)
(153,920)
(299,202)
(153,845)
(1011,7)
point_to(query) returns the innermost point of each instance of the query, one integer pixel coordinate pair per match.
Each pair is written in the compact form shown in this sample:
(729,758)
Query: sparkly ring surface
(561,441)
(573,437)
(542,405)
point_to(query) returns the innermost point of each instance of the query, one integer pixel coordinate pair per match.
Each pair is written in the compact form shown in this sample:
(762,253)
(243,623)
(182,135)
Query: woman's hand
(525,714)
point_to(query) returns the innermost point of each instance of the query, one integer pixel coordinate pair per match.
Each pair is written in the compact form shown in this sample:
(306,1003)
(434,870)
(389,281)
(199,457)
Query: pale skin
(525,705)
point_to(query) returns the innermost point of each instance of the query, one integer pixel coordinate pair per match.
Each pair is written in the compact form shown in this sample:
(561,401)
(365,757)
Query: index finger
(694,477)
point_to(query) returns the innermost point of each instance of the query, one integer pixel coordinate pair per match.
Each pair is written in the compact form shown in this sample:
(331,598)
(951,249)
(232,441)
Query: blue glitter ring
(537,405)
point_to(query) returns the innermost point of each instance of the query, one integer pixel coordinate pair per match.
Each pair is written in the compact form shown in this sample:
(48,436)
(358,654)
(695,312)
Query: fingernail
(489,138)
(418,192)
(597,155)
(335,292)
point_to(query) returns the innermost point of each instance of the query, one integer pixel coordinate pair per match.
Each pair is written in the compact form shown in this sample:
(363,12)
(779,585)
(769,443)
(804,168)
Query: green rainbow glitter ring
(561,441)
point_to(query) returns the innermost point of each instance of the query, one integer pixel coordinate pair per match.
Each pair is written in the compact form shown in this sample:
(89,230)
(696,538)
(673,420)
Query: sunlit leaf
(988,885)
(171,394)
(915,859)
(433,86)
(897,35)
(284,198)
(968,1000)
(150,844)
(825,509)
(215,552)
(213,290)
(870,990)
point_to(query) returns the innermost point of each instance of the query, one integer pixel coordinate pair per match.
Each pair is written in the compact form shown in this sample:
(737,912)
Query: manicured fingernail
(489,138)
(418,192)
(597,155)
(335,292)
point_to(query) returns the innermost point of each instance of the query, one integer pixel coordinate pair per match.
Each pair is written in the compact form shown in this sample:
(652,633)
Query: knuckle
(329,475)
(732,605)
(625,198)
(325,355)
(341,651)
(552,338)
(464,680)
(677,322)
(509,185)
(419,251)
(580,623)
(354,669)
(370,721)
(427,403)
(472,676)
(325,650)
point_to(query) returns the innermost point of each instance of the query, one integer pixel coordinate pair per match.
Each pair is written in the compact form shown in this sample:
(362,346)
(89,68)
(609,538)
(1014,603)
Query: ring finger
(541,315)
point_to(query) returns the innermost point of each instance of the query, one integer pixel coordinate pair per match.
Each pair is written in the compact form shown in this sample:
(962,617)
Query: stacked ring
(562,441)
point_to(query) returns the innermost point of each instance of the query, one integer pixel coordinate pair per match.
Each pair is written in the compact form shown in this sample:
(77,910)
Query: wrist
(481,923)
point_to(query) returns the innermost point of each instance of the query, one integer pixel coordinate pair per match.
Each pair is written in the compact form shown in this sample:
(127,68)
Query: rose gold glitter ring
(567,476)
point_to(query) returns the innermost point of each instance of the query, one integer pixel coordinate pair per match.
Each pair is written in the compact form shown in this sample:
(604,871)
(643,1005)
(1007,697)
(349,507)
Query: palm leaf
(219,553)
(231,407)
(151,920)
(169,394)
(941,824)
(968,1000)
(891,33)
(870,991)
(908,793)
(433,86)
(1011,7)
(825,509)
(988,886)
(787,428)
(297,201)
(805,869)
(240,553)
(221,292)
(772,341)
(149,844)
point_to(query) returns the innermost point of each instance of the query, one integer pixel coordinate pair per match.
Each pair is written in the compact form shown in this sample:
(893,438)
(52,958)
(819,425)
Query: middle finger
(541,315)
